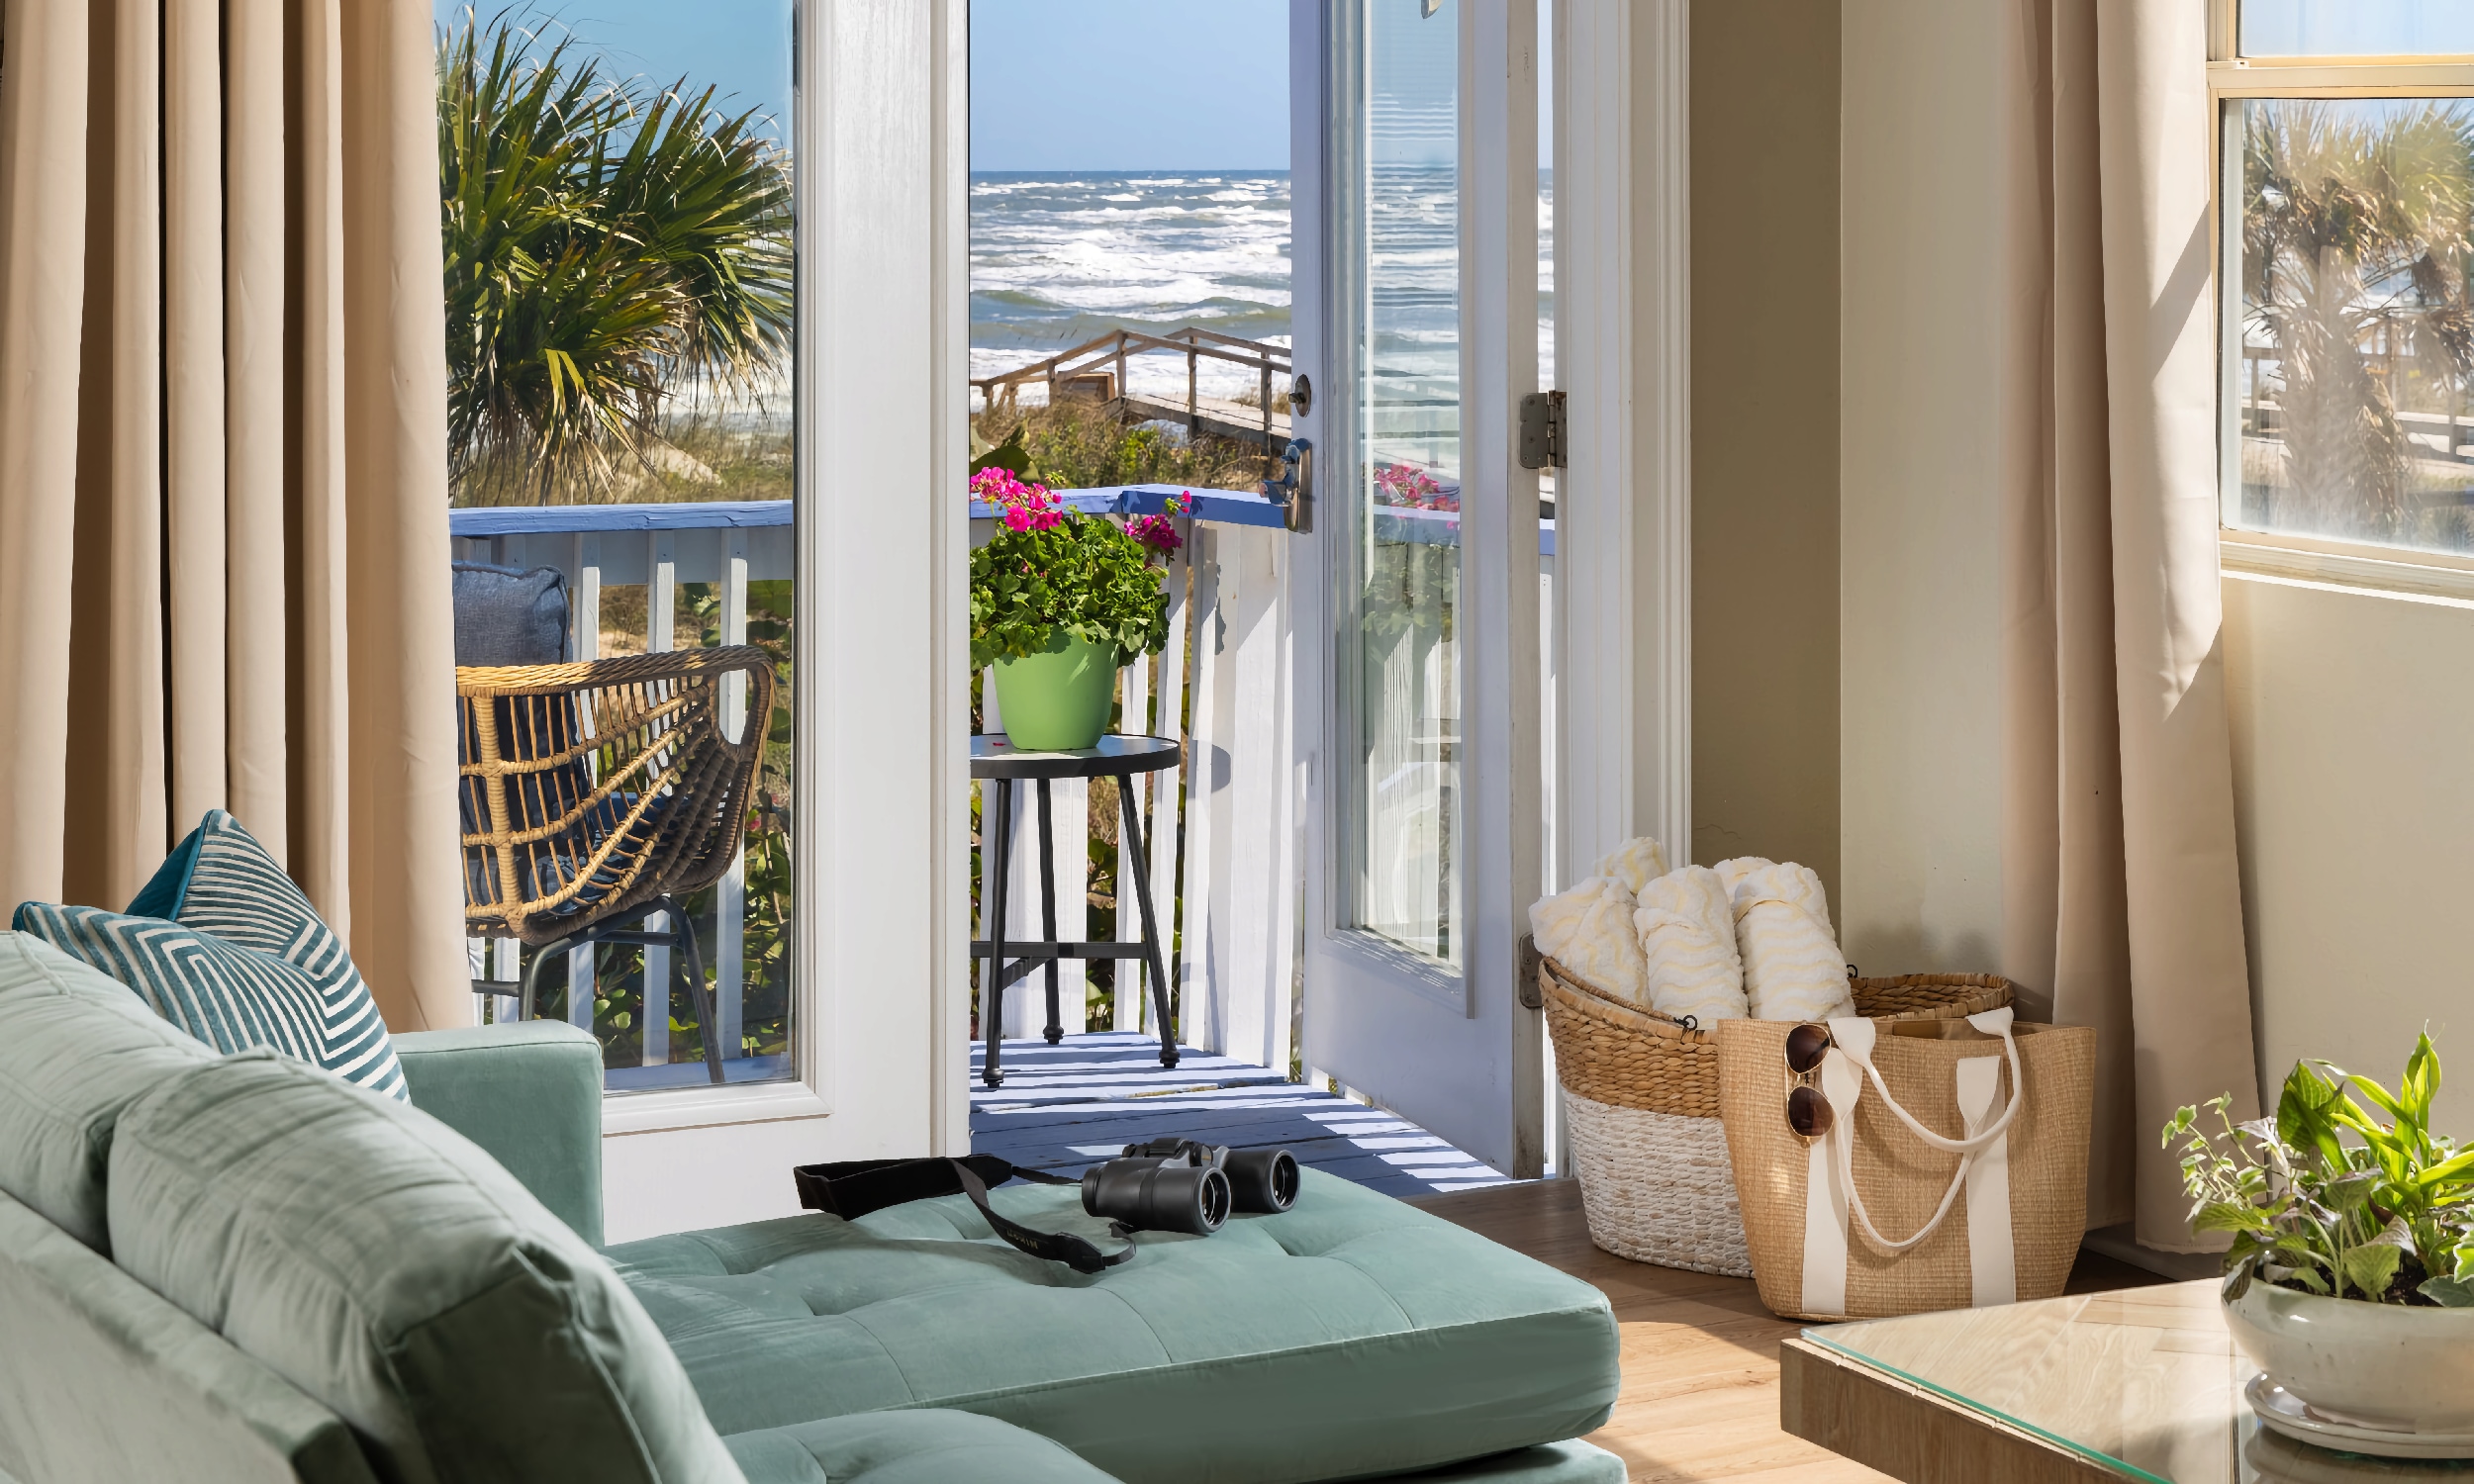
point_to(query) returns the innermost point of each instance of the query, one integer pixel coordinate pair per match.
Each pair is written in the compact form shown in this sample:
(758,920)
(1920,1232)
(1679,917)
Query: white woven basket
(1658,1188)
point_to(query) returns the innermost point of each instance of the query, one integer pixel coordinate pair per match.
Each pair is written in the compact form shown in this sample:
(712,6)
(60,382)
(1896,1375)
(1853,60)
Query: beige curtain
(2124,894)
(223,461)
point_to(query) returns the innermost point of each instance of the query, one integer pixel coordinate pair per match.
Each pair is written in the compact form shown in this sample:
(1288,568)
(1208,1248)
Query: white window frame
(2233,78)
(880,841)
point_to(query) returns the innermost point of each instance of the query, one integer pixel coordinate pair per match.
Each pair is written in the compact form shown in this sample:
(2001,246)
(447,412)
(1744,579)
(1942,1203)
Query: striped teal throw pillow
(222,944)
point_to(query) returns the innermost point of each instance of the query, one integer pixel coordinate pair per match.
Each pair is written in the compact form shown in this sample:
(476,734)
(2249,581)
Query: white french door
(1414,128)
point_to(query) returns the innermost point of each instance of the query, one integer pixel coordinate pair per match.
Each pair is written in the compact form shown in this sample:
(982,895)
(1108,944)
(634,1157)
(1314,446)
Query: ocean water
(1060,257)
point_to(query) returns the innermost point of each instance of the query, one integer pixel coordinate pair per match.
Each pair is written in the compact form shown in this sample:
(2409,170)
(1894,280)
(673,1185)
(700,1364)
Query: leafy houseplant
(1059,601)
(2350,1279)
(2387,1218)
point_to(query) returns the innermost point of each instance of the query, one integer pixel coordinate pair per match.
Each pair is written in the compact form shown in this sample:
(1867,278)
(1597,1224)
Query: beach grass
(1076,443)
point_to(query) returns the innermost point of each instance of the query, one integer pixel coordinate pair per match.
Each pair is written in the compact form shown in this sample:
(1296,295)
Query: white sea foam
(1057,259)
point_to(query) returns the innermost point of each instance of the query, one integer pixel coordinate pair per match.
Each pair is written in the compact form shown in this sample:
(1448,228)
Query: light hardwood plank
(1701,1394)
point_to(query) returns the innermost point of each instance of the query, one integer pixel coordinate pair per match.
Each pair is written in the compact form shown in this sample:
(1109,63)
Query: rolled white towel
(1792,967)
(1636,862)
(1733,872)
(1589,930)
(1689,944)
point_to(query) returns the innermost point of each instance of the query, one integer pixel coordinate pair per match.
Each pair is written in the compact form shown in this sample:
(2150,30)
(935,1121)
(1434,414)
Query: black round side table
(999,760)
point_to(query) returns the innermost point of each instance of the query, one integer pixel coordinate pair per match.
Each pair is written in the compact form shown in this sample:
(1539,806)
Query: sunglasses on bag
(1808,1112)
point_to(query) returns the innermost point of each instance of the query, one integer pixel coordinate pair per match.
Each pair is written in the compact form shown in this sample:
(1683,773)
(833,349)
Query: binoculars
(1179,1185)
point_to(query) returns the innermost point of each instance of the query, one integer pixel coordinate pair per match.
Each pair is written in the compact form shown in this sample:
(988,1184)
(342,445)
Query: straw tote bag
(1641,1100)
(1954,1172)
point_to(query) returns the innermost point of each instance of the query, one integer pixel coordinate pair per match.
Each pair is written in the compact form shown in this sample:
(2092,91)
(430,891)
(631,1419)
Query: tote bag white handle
(1855,1037)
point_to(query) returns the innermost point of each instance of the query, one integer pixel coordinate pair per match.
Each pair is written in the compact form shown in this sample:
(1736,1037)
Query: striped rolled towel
(1689,944)
(1636,862)
(1589,930)
(1792,967)
(1733,872)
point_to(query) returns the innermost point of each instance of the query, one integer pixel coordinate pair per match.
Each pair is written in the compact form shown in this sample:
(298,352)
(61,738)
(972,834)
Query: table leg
(1048,905)
(1138,861)
(992,898)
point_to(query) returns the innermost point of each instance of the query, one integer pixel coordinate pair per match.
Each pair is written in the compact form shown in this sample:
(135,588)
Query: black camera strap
(852,1188)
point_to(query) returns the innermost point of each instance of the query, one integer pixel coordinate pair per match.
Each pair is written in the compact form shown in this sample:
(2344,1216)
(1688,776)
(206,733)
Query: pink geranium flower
(1159,532)
(1025,507)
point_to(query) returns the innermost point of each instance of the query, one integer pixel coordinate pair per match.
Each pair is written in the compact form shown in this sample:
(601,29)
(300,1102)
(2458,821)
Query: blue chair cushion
(510,616)
(222,945)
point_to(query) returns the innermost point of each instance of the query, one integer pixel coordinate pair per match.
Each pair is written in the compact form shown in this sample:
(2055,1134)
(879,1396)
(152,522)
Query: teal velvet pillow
(386,1266)
(222,945)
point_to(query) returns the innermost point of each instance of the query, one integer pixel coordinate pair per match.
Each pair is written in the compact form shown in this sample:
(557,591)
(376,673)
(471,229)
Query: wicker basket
(1641,1093)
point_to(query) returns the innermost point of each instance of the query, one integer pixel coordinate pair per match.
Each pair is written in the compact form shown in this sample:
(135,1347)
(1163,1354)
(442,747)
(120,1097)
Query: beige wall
(2354,789)
(1764,135)
(1920,594)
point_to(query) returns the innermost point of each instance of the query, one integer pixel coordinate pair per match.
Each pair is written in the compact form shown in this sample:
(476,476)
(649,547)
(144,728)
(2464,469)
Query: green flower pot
(1058,700)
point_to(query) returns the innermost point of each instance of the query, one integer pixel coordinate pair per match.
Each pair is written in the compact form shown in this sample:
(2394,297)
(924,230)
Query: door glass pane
(616,218)
(2347,371)
(1399,666)
(2356,27)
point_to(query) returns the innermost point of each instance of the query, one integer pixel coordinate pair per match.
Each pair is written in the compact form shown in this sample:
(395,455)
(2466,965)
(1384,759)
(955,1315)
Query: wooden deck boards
(1700,1354)
(1063,1107)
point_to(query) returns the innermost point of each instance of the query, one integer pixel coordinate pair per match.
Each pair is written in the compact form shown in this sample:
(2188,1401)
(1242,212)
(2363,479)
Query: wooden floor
(1700,1354)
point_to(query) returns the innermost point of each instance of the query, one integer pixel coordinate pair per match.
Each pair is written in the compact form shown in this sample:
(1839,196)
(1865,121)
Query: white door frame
(881,826)
(1623,351)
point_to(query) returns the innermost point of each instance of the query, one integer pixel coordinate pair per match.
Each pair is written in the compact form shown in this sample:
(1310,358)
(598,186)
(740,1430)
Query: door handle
(1293,491)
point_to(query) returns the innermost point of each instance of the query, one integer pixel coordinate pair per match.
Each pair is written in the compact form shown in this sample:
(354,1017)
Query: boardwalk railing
(1103,361)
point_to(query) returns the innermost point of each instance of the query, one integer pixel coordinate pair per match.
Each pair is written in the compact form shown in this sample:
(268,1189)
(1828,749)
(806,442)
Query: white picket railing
(657,547)
(1224,830)
(1221,829)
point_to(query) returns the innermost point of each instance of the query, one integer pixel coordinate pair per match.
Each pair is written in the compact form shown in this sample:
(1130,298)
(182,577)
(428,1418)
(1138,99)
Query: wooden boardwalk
(1067,1106)
(1238,421)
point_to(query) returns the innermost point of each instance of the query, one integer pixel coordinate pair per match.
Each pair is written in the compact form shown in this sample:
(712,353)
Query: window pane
(1400,690)
(2347,373)
(616,210)
(2356,27)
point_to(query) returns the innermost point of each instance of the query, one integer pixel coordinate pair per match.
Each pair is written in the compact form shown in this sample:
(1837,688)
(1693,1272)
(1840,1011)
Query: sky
(1129,85)
(1055,84)
(2356,27)
(742,47)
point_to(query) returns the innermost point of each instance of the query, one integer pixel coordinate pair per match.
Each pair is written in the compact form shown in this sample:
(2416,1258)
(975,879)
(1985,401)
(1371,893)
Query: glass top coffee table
(2138,1384)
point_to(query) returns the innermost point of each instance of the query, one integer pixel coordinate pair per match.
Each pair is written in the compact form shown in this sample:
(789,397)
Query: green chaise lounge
(239,1269)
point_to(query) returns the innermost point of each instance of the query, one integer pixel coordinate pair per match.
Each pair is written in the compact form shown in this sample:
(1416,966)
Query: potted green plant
(2350,1279)
(1060,601)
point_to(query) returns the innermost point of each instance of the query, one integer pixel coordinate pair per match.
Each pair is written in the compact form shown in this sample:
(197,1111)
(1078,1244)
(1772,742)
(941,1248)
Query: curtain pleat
(223,462)
(195,576)
(408,903)
(2092,955)
(2122,897)
(2190,981)
(43,86)
(255,643)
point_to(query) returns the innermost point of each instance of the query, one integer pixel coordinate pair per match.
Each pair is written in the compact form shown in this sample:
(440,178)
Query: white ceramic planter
(2380,1365)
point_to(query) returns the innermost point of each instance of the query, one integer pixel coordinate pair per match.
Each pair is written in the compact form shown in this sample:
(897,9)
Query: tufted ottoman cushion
(1351,1335)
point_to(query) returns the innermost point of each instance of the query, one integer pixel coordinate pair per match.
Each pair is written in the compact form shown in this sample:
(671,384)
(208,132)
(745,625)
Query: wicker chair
(596,793)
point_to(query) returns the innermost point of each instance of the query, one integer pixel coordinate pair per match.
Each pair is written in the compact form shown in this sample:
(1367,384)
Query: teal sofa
(239,1268)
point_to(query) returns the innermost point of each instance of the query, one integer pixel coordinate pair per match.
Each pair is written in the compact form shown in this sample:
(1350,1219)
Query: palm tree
(608,245)
(2355,236)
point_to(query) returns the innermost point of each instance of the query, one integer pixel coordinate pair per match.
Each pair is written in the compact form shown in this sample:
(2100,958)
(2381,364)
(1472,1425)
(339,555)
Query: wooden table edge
(1912,1433)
